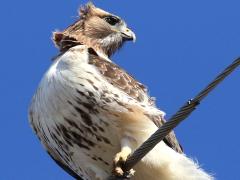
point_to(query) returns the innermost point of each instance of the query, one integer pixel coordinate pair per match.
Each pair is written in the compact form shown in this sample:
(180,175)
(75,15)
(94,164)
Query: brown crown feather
(86,10)
(89,30)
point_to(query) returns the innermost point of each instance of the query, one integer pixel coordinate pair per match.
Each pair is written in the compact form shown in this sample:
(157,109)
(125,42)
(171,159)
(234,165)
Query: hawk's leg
(120,158)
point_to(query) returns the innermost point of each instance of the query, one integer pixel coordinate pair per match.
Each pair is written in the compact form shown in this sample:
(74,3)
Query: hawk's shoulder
(119,78)
(125,82)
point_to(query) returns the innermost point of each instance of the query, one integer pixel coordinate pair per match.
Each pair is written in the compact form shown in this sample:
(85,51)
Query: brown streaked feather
(91,29)
(119,78)
(66,168)
(90,10)
(122,80)
(64,42)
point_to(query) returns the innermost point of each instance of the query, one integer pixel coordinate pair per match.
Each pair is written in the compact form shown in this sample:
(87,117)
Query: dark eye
(112,20)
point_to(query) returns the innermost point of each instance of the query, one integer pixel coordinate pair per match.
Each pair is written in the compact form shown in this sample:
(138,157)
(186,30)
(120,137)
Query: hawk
(90,114)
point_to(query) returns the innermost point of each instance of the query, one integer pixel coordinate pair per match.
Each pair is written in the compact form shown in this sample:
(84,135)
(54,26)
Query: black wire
(181,115)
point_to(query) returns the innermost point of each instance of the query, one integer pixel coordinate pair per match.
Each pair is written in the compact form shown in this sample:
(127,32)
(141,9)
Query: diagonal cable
(181,115)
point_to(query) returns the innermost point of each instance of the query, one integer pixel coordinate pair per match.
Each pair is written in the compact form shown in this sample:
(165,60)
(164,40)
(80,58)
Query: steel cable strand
(177,118)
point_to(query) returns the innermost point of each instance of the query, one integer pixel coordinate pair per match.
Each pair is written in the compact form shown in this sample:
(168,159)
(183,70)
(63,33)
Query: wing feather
(122,80)
(119,78)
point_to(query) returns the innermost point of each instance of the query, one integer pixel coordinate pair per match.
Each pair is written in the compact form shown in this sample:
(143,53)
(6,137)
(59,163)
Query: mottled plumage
(121,79)
(90,114)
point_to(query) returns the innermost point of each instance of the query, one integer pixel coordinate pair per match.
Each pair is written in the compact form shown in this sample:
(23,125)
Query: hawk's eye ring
(111,20)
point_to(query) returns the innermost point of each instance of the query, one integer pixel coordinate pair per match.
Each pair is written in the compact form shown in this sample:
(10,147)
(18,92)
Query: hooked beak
(128,35)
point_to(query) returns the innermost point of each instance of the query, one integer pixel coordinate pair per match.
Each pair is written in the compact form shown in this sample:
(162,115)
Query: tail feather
(166,164)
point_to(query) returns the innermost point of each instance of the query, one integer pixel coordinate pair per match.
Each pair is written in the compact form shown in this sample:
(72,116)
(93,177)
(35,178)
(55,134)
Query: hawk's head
(96,28)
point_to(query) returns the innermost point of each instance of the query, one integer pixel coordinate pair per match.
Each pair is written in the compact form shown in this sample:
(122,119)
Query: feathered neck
(75,35)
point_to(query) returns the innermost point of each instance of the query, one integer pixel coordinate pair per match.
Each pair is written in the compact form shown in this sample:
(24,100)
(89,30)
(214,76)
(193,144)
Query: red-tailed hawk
(90,114)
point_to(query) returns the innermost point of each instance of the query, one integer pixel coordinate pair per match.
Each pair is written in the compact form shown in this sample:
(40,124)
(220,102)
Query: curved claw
(119,162)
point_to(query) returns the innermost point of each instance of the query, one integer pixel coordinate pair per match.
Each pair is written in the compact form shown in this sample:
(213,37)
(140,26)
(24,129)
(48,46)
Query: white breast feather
(49,107)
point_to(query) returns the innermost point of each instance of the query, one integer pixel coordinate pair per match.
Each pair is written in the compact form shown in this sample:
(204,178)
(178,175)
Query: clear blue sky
(181,46)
